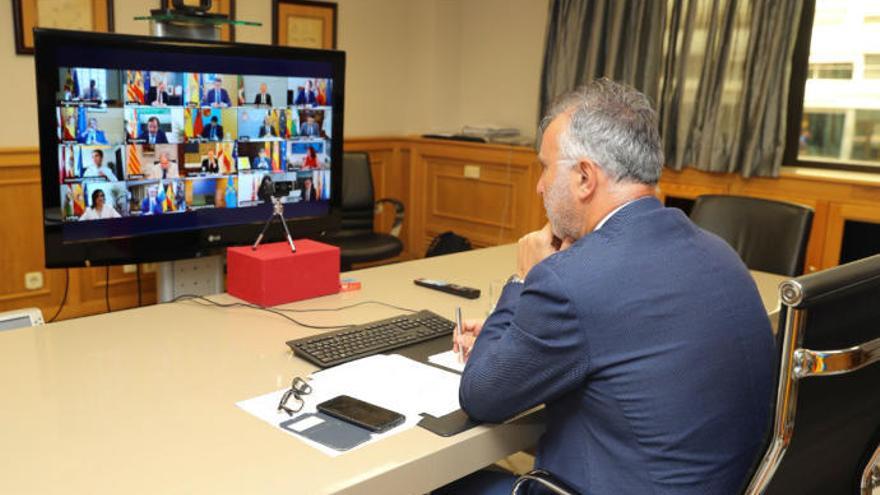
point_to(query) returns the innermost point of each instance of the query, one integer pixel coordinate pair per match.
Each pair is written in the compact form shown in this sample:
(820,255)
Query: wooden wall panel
(428,177)
(21,251)
(838,214)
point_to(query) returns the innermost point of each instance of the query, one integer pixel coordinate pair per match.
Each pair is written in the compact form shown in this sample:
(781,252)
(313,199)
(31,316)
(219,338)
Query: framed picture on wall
(304,23)
(81,15)
(226,7)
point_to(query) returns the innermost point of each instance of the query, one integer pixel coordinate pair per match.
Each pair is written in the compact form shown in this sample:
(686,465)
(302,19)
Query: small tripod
(277,211)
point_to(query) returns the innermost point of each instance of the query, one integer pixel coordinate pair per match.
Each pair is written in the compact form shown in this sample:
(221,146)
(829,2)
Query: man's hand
(535,246)
(465,338)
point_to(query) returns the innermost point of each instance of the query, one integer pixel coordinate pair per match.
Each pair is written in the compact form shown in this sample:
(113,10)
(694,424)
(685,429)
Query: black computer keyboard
(340,346)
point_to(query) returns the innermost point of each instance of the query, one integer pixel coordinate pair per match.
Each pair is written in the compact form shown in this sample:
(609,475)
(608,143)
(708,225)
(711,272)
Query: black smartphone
(355,411)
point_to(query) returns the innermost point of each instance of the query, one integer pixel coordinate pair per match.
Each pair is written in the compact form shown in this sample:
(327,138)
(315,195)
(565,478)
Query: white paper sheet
(448,359)
(393,382)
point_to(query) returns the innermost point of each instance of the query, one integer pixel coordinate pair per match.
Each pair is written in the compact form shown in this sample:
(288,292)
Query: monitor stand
(197,277)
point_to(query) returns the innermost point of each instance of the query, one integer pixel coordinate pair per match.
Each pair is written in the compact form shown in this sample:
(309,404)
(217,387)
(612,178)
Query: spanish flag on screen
(168,204)
(68,119)
(79,202)
(193,95)
(272,150)
(224,159)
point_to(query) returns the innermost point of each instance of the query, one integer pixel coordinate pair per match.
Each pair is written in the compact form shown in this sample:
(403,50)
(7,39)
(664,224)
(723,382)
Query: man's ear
(588,178)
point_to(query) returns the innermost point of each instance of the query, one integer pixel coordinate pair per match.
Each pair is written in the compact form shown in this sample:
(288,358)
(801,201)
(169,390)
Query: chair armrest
(544,479)
(398,213)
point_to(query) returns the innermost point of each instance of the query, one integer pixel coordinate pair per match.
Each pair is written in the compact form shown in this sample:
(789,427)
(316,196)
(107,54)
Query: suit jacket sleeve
(531,349)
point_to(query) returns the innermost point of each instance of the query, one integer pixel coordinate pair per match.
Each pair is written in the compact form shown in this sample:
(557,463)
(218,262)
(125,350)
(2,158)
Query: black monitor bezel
(174,245)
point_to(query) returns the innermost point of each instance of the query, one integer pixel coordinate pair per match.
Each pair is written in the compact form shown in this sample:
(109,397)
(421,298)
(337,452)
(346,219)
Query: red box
(272,275)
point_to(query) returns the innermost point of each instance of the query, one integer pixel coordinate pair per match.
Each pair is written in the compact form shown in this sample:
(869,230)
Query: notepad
(448,359)
(390,381)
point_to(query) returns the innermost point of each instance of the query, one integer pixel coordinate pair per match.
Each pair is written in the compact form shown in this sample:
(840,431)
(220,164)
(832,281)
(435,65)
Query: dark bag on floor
(448,243)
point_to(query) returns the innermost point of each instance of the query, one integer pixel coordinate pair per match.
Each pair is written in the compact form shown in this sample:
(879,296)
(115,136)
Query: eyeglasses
(297,389)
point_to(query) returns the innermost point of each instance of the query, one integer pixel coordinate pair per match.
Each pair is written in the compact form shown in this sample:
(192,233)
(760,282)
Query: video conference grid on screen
(135,142)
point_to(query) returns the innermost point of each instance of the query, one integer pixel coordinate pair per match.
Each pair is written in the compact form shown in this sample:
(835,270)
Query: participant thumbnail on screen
(212,192)
(263,124)
(309,92)
(307,155)
(264,155)
(92,200)
(154,125)
(249,185)
(88,86)
(90,125)
(265,91)
(156,197)
(158,161)
(163,88)
(212,90)
(314,124)
(80,162)
(209,159)
(315,184)
(210,124)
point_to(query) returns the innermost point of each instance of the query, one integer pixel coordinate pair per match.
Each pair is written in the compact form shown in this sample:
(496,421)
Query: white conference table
(143,400)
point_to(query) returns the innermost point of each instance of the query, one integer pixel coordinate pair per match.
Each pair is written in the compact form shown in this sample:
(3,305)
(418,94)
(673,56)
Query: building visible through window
(841,116)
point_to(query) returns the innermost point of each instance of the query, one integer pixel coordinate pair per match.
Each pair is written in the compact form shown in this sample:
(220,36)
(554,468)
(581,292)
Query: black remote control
(443,286)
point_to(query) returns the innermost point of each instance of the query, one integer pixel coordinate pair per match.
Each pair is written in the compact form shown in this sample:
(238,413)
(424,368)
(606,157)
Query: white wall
(413,65)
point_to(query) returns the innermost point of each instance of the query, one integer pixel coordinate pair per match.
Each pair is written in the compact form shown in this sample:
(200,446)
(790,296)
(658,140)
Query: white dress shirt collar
(611,214)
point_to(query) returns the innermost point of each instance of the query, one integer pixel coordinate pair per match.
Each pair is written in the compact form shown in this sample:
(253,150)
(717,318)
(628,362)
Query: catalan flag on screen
(134,86)
(134,161)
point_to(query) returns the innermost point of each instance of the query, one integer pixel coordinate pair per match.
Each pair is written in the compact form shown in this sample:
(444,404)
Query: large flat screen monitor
(154,149)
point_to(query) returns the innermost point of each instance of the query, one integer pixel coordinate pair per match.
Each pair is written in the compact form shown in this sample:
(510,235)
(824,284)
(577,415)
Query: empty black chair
(356,238)
(826,431)
(770,236)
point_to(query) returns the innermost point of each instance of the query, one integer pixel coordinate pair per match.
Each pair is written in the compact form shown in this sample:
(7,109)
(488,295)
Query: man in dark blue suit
(643,335)
(153,134)
(216,96)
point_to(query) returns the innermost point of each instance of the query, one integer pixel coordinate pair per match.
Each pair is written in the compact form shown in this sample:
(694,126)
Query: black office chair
(356,238)
(770,236)
(825,436)
(826,430)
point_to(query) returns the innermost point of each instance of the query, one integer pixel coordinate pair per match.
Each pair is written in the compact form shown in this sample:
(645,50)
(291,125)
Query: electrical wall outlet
(33,280)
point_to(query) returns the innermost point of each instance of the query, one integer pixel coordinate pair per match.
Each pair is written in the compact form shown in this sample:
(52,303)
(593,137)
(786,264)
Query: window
(821,135)
(836,121)
(872,66)
(831,71)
